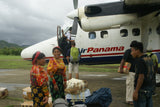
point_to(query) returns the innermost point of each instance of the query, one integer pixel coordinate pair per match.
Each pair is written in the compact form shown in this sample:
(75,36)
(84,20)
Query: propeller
(74,15)
(75,4)
(74,26)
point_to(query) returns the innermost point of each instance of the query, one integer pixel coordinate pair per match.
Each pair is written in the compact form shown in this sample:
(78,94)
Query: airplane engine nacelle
(103,22)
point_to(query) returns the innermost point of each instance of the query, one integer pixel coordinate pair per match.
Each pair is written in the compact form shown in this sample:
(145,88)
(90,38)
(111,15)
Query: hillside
(9,45)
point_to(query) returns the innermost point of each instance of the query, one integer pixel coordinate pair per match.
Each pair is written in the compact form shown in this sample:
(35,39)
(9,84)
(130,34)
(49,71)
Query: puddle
(94,75)
(12,86)
(121,78)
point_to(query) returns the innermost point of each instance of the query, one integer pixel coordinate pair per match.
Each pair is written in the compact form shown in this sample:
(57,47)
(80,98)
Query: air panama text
(107,49)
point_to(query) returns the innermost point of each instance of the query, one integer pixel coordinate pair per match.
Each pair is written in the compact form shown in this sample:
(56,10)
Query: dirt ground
(16,80)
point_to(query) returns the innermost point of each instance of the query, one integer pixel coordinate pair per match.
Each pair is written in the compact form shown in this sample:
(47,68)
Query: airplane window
(92,35)
(158,29)
(136,32)
(124,32)
(104,34)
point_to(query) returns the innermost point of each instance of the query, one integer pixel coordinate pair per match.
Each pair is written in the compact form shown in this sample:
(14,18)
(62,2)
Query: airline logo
(107,49)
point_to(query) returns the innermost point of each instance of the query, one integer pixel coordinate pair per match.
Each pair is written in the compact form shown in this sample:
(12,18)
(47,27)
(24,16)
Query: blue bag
(102,96)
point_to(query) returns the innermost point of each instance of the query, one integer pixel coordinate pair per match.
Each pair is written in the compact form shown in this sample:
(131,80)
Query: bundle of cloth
(76,86)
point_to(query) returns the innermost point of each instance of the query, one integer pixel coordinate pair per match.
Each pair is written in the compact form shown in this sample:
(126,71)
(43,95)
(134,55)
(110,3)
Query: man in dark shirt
(130,77)
(142,95)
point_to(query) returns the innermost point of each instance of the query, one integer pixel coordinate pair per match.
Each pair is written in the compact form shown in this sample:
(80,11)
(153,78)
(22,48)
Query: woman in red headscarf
(39,79)
(57,71)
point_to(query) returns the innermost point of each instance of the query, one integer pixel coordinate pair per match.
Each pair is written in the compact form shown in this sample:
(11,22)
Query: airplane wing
(104,16)
(141,2)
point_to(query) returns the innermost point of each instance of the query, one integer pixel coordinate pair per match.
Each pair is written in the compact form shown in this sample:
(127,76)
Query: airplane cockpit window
(136,32)
(104,34)
(124,32)
(92,35)
(158,29)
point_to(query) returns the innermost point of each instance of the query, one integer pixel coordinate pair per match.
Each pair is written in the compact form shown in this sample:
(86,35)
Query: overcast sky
(27,22)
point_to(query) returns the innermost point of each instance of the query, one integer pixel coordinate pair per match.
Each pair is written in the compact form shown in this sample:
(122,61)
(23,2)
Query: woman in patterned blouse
(39,79)
(57,71)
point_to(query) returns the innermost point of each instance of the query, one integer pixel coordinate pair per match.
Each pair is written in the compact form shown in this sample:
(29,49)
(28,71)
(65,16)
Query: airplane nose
(25,53)
(73,14)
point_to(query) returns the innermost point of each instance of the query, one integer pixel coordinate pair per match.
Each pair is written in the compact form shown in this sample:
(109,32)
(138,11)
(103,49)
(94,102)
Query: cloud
(30,21)
(26,22)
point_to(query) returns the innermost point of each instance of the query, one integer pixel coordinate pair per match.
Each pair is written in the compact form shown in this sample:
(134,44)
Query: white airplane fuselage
(108,46)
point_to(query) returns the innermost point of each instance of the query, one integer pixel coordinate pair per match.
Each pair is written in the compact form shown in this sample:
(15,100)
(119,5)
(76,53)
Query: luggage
(79,98)
(74,55)
(80,105)
(94,105)
(60,102)
(126,68)
(102,96)
(27,104)
(76,86)
(3,92)
(27,93)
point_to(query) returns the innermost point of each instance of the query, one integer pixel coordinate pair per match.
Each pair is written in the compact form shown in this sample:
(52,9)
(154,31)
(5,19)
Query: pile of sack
(76,86)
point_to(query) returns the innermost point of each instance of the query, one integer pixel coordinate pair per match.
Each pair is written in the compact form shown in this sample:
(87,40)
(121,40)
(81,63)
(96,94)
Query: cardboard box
(30,103)
(126,68)
(27,93)
(3,92)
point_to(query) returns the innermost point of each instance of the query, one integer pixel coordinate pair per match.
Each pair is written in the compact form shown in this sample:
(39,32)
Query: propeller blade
(74,26)
(75,3)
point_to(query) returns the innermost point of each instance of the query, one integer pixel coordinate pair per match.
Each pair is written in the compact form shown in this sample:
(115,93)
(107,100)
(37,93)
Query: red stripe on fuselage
(94,55)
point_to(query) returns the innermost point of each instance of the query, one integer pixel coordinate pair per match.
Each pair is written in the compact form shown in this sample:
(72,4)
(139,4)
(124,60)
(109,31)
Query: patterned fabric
(60,93)
(38,93)
(57,71)
(39,78)
(56,66)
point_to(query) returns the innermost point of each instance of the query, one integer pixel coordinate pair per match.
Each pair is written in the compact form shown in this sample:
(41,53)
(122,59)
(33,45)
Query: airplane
(103,35)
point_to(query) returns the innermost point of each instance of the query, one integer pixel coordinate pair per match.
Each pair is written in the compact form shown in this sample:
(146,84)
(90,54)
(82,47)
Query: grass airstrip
(16,62)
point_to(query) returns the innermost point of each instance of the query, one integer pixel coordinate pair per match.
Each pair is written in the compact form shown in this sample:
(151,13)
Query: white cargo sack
(76,86)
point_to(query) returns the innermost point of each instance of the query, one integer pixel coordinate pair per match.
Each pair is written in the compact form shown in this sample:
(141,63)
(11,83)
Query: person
(142,95)
(57,71)
(73,57)
(39,79)
(130,77)
(155,63)
(63,44)
(68,35)
(66,41)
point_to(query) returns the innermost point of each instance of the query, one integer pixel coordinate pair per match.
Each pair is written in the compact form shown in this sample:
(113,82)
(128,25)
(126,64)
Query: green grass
(16,62)
(10,106)
(99,68)
(15,99)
